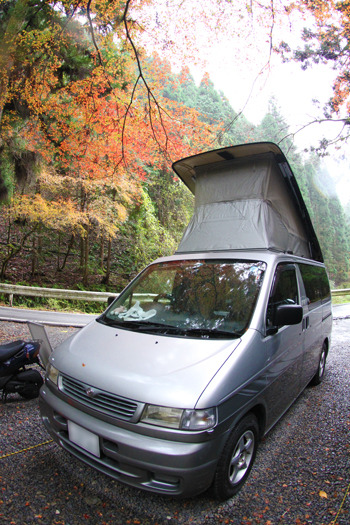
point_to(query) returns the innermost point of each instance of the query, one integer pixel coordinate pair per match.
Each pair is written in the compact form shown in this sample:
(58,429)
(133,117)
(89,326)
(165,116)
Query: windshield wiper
(140,325)
(147,326)
(212,333)
(151,327)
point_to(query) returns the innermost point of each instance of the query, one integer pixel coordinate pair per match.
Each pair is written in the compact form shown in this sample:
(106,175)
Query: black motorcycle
(14,376)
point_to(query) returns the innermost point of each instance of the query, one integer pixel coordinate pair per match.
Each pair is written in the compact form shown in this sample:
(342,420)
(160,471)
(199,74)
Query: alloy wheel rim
(322,364)
(241,457)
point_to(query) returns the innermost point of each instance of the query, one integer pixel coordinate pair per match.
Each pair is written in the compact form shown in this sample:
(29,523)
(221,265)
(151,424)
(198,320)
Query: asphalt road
(301,475)
(22,315)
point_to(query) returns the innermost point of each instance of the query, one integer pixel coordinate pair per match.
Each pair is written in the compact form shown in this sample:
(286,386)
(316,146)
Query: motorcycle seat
(8,350)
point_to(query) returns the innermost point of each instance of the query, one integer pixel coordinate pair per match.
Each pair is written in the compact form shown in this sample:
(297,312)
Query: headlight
(52,373)
(198,419)
(179,418)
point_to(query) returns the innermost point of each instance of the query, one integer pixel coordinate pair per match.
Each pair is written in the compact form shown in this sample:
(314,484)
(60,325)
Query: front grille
(102,401)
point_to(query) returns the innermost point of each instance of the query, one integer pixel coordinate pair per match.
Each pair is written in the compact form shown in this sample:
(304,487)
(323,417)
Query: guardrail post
(11,299)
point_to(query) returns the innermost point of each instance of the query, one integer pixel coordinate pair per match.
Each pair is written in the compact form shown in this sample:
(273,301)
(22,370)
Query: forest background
(92,116)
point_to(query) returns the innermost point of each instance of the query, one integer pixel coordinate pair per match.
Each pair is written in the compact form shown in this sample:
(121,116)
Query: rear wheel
(237,458)
(316,380)
(30,390)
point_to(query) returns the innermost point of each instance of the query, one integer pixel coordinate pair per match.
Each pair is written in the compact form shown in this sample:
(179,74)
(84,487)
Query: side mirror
(110,300)
(288,314)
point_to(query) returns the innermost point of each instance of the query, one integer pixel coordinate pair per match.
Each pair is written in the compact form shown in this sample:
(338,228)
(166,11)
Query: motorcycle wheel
(30,390)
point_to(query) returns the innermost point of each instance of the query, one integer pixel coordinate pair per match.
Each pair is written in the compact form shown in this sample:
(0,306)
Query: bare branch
(272,28)
(93,32)
(150,96)
(339,137)
(229,125)
(126,115)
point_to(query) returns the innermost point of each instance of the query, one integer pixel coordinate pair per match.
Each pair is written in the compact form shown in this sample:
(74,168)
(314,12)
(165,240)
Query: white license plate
(84,438)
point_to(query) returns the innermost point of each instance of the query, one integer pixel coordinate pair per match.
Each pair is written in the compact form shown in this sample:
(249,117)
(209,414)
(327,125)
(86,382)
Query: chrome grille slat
(103,401)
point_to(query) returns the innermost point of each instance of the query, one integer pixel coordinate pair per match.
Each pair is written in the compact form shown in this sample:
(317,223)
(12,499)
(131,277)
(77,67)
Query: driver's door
(283,345)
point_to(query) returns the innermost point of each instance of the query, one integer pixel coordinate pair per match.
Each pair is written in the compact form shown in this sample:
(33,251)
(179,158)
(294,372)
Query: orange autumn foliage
(94,134)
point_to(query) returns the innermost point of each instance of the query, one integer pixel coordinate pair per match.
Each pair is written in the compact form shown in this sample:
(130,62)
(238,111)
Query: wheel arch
(326,344)
(259,412)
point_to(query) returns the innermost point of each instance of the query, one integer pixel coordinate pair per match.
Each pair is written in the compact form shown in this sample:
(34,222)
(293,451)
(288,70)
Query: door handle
(306,323)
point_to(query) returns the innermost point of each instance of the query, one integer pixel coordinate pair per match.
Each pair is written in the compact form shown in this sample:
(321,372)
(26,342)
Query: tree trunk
(81,260)
(106,277)
(58,252)
(86,258)
(36,250)
(70,246)
(102,252)
(12,252)
(34,256)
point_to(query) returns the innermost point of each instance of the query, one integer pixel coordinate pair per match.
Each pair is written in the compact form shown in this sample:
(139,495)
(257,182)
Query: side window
(316,283)
(284,290)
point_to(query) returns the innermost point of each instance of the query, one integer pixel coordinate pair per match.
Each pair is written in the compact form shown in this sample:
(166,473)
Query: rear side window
(316,283)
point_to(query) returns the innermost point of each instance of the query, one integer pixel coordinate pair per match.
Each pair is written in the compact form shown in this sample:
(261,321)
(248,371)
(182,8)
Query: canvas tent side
(246,197)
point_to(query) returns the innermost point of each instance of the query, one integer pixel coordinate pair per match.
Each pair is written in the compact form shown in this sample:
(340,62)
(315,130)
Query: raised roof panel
(246,197)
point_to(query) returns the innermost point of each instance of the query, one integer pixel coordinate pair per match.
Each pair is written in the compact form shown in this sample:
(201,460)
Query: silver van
(172,387)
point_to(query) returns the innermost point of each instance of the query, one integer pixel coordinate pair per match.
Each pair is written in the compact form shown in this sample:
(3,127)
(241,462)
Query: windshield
(193,298)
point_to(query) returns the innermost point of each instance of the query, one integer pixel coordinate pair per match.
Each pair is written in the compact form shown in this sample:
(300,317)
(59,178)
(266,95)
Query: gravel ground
(301,474)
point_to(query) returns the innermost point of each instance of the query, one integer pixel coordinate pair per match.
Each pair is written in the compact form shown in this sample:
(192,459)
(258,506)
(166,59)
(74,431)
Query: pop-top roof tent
(246,197)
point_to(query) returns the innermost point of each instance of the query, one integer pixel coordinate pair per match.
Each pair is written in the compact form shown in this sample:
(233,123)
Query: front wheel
(316,380)
(237,458)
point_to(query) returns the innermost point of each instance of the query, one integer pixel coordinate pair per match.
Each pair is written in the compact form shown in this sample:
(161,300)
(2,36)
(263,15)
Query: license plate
(84,438)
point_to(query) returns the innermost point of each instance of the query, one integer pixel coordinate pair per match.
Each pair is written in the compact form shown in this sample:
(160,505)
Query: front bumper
(177,468)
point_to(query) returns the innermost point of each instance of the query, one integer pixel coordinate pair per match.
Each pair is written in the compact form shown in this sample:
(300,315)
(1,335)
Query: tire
(237,458)
(318,377)
(31,392)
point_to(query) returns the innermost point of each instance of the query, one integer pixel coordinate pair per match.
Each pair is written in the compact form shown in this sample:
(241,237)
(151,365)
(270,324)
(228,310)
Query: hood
(246,197)
(161,370)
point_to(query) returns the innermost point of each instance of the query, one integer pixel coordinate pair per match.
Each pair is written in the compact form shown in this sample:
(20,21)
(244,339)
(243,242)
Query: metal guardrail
(54,293)
(78,295)
(341,291)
